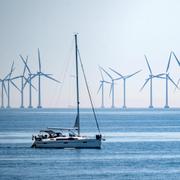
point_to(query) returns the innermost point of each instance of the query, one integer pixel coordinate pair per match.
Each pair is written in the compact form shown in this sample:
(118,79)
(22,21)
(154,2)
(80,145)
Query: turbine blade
(133,74)
(117,73)
(177,85)
(4,87)
(7,76)
(39,60)
(110,89)
(168,63)
(178,82)
(15,85)
(33,87)
(173,82)
(162,74)
(148,64)
(28,81)
(16,77)
(159,76)
(101,73)
(99,88)
(176,58)
(25,63)
(25,67)
(50,77)
(33,76)
(118,78)
(12,66)
(25,84)
(12,69)
(107,82)
(144,84)
(107,73)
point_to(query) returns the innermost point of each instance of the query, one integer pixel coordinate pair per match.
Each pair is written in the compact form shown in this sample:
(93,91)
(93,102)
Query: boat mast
(77,85)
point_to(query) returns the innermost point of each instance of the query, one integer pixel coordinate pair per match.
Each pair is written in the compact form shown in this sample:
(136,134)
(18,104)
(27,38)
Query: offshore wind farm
(27,76)
(25,79)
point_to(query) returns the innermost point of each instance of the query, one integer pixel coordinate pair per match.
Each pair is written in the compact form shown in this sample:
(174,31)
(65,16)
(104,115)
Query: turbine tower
(151,76)
(3,87)
(39,75)
(124,83)
(112,86)
(101,87)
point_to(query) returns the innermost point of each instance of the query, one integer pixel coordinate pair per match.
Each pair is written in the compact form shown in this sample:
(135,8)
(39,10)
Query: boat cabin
(55,133)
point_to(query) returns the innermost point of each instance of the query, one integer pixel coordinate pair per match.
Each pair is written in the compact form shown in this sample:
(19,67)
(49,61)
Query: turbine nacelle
(124,77)
(150,78)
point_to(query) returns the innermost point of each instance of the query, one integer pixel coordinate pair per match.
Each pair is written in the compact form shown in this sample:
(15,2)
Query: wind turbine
(151,76)
(9,80)
(22,78)
(101,87)
(124,83)
(112,86)
(3,87)
(28,81)
(167,78)
(40,74)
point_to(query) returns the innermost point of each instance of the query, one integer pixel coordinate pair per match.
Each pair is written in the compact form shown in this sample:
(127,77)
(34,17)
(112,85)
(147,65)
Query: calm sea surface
(140,144)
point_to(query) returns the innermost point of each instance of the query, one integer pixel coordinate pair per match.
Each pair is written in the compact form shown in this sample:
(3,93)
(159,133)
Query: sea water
(140,144)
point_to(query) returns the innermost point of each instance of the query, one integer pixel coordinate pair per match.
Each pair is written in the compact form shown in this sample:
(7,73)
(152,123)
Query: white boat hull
(75,143)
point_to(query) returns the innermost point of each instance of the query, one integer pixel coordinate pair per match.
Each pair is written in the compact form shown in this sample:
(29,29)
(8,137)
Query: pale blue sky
(112,33)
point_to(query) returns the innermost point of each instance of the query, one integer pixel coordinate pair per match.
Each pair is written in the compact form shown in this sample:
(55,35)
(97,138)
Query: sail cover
(76,124)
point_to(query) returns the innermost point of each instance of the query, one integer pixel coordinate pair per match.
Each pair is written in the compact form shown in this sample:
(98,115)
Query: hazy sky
(112,33)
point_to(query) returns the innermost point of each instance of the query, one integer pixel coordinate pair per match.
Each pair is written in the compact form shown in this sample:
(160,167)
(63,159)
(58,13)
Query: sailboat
(55,137)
